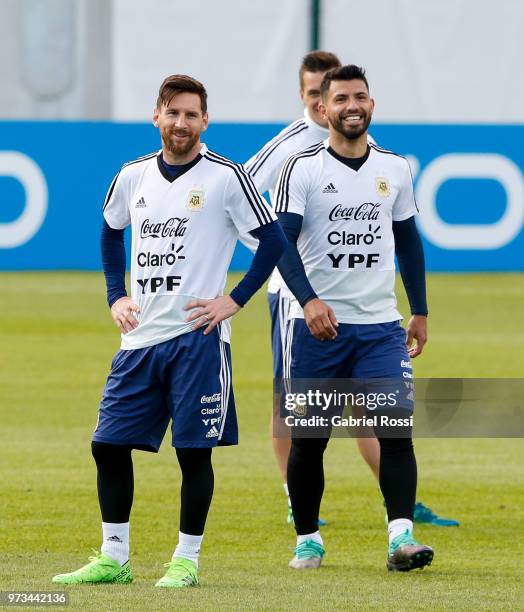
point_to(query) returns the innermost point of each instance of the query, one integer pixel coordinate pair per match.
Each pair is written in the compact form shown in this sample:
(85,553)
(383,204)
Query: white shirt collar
(314,124)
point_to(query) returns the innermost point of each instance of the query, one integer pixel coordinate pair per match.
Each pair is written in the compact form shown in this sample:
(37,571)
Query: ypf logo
(471,166)
(23,169)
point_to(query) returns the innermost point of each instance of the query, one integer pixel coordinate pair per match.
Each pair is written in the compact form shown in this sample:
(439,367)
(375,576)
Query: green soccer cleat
(100,569)
(291,520)
(308,555)
(181,573)
(425,515)
(405,553)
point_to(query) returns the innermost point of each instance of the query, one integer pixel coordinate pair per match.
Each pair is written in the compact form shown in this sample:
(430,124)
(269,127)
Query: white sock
(115,542)
(316,537)
(286,491)
(398,526)
(188,546)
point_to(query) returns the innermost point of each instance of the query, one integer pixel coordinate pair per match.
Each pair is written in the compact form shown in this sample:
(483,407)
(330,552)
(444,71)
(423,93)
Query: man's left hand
(211,312)
(417,330)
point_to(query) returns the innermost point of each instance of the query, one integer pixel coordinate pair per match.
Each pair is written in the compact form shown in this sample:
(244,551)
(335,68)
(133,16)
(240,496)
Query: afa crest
(195,199)
(382,185)
(300,410)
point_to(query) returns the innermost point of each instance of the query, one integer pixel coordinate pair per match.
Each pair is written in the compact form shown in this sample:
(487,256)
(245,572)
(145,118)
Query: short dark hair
(178,83)
(318,61)
(344,73)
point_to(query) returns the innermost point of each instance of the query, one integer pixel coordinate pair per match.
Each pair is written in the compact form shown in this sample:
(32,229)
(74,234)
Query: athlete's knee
(309,447)
(395,445)
(192,460)
(105,453)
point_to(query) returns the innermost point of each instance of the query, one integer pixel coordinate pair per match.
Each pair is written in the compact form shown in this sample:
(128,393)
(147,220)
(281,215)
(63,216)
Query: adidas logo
(114,539)
(212,433)
(141,203)
(330,189)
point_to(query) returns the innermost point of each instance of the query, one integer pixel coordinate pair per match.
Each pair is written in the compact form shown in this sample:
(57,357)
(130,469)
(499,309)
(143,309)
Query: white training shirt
(184,231)
(265,166)
(346,242)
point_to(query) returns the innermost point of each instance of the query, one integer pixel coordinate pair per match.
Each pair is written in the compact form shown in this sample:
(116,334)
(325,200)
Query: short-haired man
(344,318)
(264,167)
(186,206)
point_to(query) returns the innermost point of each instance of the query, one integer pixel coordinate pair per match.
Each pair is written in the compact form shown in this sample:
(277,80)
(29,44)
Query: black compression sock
(197,488)
(305,480)
(114,480)
(398,476)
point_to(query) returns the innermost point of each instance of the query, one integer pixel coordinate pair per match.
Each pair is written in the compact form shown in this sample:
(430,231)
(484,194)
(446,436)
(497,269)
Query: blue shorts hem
(138,445)
(210,444)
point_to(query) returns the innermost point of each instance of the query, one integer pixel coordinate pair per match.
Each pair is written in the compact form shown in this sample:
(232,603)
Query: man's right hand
(122,312)
(320,319)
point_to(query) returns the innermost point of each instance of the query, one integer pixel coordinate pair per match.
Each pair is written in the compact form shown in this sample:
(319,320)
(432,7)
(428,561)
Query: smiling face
(310,95)
(180,121)
(348,108)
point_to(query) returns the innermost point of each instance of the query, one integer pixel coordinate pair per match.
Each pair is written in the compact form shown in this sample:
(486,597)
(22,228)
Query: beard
(178,148)
(351,133)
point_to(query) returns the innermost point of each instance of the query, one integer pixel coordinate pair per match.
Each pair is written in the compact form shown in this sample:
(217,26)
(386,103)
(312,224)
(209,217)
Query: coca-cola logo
(368,211)
(172,228)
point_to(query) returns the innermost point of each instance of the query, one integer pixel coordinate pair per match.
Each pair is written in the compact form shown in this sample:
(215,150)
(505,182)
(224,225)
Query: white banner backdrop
(442,61)
(247,54)
(445,61)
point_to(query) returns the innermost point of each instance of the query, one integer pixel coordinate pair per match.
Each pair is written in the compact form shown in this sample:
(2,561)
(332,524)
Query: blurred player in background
(186,206)
(264,167)
(344,321)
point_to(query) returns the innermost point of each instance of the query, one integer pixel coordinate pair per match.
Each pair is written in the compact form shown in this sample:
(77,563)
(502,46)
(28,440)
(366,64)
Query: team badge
(195,199)
(382,185)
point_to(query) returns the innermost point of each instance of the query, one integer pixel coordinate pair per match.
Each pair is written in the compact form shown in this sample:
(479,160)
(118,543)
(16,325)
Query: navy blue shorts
(369,361)
(279,311)
(360,351)
(186,380)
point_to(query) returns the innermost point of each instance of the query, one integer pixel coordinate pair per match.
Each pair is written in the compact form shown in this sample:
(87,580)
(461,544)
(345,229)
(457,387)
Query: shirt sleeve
(410,257)
(113,262)
(290,264)
(292,187)
(272,244)
(244,204)
(116,204)
(405,205)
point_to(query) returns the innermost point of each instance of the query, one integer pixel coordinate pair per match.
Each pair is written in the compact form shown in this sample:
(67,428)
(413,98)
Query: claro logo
(470,166)
(22,168)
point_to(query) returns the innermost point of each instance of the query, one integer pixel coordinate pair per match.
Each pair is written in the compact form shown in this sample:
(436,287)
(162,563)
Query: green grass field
(57,341)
